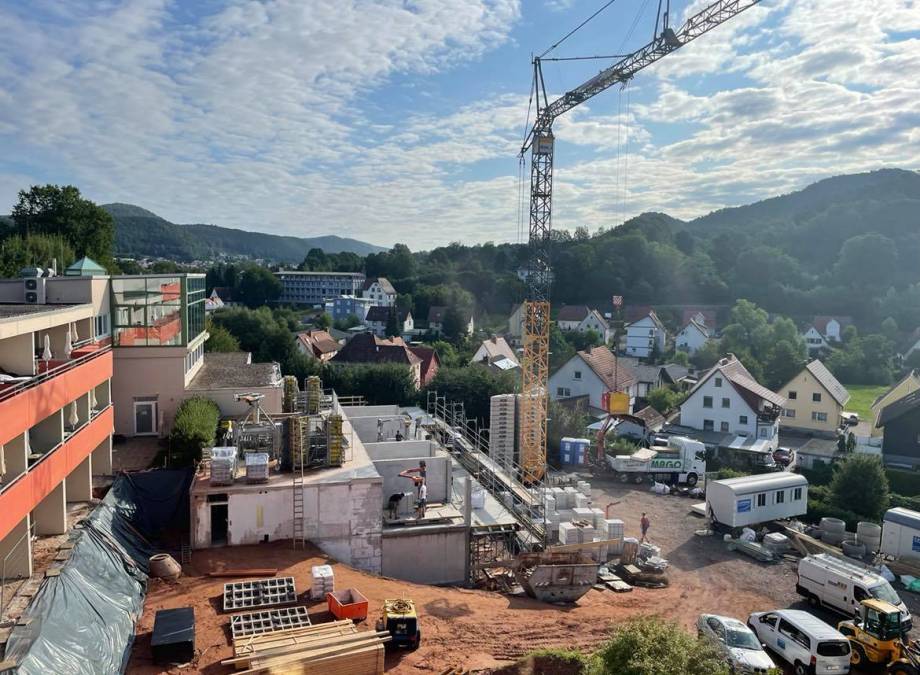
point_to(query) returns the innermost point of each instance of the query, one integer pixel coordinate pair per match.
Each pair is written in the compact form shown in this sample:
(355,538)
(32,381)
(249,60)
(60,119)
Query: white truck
(682,461)
(841,585)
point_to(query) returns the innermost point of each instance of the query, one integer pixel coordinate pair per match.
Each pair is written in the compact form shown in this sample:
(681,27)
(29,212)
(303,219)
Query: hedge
(194,427)
(905,483)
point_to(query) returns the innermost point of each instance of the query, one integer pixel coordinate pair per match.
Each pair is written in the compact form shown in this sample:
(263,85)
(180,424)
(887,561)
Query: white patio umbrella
(46,354)
(73,329)
(92,398)
(68,343)
(74,418)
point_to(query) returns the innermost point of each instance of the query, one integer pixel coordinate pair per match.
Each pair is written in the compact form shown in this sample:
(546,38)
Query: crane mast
(540,142)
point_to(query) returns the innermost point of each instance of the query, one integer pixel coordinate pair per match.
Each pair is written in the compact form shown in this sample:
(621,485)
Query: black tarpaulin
(82,620)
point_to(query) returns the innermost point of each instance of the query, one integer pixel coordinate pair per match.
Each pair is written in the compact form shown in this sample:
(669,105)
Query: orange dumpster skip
(347,604)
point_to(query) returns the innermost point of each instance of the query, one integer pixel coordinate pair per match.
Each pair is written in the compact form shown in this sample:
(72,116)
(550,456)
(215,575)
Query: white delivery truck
(749,500)
(683,460)
(901,534)
(842,585)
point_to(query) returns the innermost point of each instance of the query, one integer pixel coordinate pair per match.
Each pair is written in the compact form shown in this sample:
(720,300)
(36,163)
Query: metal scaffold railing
(502,481)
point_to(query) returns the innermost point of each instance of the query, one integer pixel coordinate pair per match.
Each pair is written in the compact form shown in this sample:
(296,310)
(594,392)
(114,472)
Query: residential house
(911,344)
(570,317)
(344,306)
(676,375)
(691,337)
(646,336)
(727,399)
(906,385)
(368,348)
(705,315)
(436,320)
(814,340)
(430,365)
(814,401)
(315,288)
(379,315)
(493,349)
(516,324)
(317,344)
(831,327)
(594,321)
(901,440)
(381,291)
(591,374)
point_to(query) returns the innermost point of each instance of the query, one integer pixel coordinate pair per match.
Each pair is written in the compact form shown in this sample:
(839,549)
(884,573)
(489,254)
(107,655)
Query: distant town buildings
(315,288)
(317,344)
(381,291)
(646,336)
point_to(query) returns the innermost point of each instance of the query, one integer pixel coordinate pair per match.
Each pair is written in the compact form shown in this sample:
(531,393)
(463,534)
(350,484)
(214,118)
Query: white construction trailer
(749,500)
(901,534)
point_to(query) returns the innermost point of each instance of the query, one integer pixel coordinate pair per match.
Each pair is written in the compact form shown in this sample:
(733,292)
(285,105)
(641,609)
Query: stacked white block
(568,534)
(584,487)
(598,520)
(503,428)
(584,514)
(323,582)
(582,501)
(615,530)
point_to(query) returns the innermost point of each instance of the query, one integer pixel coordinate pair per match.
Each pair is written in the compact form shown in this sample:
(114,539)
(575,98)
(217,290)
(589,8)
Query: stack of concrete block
(615,530)
(568,534)
(323,582)
(583,513)
(503,428)
(584,487)
(582,501)
(598,519)
(570,499)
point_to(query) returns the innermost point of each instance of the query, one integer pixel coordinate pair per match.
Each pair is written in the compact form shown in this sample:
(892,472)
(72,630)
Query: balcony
(27,403)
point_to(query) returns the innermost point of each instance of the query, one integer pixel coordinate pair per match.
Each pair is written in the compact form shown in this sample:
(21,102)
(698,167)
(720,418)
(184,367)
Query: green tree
(379,383)
(36,250)
(890,328)
(453,325)
(323,320)
(653,646)
(194,427)
(564,421)
(258,286)
(392,327)
(663,399)
(681,358)
(706,356)
(220,340)
(860,485)
(473,387)
(56,210)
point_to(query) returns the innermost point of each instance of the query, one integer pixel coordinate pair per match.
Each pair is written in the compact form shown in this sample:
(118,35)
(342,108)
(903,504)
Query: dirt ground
(479,630)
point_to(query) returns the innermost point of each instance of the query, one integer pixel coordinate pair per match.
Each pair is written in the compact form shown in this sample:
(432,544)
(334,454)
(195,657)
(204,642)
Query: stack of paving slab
(323,582)
(571,519)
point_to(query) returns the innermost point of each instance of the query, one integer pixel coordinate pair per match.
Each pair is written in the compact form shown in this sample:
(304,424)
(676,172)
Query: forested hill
(138,233)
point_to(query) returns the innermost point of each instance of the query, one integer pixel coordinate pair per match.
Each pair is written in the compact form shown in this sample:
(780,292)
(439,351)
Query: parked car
(742,649)
(851,419)
(808,644)
(784,456)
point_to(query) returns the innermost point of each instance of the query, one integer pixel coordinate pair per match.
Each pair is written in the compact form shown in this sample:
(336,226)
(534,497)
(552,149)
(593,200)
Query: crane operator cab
(877,636)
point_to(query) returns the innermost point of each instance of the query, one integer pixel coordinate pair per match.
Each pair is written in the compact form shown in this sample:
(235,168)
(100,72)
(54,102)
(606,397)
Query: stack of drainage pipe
(833,531)
(870,535)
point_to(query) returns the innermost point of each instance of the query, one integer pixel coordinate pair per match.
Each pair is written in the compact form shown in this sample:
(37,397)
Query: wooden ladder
(298,528)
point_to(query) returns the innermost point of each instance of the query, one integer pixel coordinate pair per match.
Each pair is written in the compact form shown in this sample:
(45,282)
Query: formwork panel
(259,593)
(268,621)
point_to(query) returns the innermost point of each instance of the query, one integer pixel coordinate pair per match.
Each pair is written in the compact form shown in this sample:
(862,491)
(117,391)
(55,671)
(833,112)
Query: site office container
(749,500)
(901,534)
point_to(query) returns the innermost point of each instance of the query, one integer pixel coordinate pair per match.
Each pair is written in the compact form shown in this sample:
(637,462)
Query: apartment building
(56,411)
(315,288)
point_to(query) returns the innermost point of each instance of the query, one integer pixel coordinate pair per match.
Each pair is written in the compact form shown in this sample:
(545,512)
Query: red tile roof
(368,348)
(615,376)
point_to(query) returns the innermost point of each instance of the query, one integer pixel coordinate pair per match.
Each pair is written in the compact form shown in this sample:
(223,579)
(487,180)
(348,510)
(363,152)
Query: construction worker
(644,524)
(399,435)
(422,500)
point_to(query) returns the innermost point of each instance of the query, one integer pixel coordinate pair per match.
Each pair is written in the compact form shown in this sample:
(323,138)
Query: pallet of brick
(323,581)
(615,530)
(561,497)
(568,534)
(581,513)
(582,501)
(584,487)
(599,517)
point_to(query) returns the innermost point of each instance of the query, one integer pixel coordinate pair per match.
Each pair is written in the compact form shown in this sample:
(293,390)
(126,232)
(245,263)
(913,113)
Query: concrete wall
(147,371)
(354,411)
(425,556)
(366,427)
(438,477)
(343,519)
(400,449)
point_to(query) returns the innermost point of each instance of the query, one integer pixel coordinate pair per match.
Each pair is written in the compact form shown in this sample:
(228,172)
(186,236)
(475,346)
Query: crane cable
(577,28)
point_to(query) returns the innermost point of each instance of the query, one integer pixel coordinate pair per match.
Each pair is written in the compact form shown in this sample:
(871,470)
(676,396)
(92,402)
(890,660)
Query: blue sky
(399,121)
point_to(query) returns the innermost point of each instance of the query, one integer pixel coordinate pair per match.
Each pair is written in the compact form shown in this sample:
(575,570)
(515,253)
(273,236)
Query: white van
(842,585)
(808,644)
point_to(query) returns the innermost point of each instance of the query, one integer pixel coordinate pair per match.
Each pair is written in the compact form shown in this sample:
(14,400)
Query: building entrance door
(145,418)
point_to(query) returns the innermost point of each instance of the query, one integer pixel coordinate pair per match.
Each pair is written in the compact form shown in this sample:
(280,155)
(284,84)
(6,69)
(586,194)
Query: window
(789,412)
(708,425)
(797,494)
(794,633)
(101,325)
(577,374)
(707,401)
(561,391)
(762,499)
(792,395)
(726,403)
(718,382)
(724,427)
(819,416)
(816,397)
(742,419)
(780,496)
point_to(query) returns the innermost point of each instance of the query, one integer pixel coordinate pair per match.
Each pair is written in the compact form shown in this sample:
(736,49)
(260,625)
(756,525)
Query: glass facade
(157,311)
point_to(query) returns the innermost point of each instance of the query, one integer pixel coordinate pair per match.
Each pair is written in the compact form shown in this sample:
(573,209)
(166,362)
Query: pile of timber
(334,648)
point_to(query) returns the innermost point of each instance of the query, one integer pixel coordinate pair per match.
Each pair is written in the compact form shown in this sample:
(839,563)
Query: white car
(737,642)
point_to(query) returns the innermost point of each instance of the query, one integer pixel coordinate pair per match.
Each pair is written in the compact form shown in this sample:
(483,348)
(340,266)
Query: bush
(652,646)
(194,428)
(860,485)
(819,474)
(906,483)
(912,503)
(722,474)
(821,508)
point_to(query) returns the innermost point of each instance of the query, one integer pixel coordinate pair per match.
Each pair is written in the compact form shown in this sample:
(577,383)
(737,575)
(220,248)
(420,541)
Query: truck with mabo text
(683,460)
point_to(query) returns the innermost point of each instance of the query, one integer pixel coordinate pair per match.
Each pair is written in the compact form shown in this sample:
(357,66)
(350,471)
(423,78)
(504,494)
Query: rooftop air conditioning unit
(34,290)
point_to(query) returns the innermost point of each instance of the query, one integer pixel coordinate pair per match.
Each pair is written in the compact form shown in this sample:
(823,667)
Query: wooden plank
(244,648)
(250,572)
(366,661)
(313,628)
(577,547)
(312,655)
(300,647)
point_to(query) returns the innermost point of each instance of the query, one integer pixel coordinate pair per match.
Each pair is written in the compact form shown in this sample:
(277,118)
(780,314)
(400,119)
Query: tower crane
(540,142)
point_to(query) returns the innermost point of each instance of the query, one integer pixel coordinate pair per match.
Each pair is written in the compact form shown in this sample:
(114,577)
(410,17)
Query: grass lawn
(862,396)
